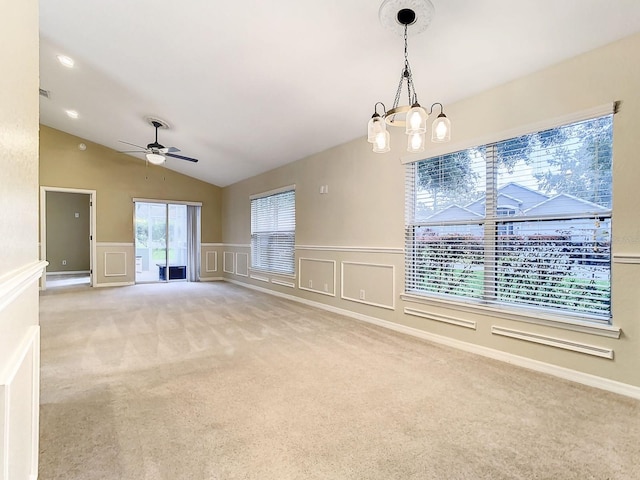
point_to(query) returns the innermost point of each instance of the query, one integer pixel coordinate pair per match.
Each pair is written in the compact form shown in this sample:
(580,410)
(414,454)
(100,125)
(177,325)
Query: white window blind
(524,222)
(273,226)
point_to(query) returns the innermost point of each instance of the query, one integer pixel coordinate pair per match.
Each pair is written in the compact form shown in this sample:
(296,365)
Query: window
(524,222)
(273,228)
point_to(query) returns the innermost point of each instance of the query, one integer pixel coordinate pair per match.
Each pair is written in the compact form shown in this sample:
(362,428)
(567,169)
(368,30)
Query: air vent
(45,93)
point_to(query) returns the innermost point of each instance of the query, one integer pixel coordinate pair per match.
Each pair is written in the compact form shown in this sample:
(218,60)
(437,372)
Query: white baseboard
(114,284)
(210,279)
(555,370)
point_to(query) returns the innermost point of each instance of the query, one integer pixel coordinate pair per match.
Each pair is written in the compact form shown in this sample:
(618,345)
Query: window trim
(275,191)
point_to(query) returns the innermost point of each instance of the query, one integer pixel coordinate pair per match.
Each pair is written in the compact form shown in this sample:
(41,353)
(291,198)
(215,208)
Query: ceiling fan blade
(164,150)
(133,145)
(181,157)
(131,151)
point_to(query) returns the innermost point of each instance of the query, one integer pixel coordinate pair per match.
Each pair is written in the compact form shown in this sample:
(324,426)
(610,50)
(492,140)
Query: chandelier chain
(406,75)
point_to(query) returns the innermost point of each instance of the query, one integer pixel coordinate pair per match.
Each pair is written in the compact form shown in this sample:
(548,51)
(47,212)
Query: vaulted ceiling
(250,85)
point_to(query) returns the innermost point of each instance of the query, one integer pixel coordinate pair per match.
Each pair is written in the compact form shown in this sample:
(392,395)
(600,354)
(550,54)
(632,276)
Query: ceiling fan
(155,152)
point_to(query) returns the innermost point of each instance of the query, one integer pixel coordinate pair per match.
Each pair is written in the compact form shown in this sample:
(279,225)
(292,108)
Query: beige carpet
(215,381)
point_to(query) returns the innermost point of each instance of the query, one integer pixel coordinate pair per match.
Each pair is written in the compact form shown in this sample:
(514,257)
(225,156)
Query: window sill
(538,318)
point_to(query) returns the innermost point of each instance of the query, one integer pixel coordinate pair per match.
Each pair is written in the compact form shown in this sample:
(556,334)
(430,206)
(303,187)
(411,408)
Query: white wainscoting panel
(553,342)
(115,264)
(368,283)
(460,322)
(19,409)
(242,264)
(283,283)
(317,275)
(228,262)
(211,262)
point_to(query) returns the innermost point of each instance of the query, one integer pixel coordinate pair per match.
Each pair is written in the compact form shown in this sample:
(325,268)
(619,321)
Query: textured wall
(18,134)
(117,178)
(19,266)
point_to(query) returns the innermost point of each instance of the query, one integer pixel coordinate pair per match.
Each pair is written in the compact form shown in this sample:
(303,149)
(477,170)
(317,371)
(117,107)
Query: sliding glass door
(163,236)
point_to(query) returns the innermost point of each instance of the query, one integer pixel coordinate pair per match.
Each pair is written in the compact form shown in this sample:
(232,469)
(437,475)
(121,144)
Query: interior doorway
(167,241)
(67,223)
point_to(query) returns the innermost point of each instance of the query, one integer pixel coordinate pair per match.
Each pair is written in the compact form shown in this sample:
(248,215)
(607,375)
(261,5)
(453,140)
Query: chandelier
(399,15)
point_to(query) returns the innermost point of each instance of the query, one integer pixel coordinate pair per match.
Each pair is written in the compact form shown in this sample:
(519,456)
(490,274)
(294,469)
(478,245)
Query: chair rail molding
(17,281)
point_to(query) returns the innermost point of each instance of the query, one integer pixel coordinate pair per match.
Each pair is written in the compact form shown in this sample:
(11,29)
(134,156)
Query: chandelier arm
(437,103)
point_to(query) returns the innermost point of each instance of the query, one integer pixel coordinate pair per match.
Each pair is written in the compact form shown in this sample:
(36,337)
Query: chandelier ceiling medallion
(407,17)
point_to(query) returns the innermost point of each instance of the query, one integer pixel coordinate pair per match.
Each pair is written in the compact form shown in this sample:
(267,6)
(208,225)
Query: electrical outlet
(64,262)
(326,287)
(361,294)
(310,283)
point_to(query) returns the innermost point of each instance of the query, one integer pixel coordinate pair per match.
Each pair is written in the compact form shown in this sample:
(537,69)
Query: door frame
(166,202)
(92,228)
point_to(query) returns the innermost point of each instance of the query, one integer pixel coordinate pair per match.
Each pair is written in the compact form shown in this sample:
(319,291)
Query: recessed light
(72,113)
(66,61)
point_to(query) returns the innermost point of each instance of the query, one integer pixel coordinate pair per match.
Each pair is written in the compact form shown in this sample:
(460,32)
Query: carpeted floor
(215,381)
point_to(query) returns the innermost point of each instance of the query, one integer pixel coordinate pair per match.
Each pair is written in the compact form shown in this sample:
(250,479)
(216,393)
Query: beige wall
(357,228)
(117,178)
(68,232)
(19,265)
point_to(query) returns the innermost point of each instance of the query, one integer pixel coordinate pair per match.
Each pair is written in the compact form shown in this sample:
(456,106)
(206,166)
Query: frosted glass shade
(441,129)
(155,158)
(416,142)
(382,142)
(376,125)
(416,120)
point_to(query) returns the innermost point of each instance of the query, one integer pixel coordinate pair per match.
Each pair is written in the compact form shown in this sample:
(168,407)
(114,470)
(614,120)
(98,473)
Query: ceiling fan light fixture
(155,158)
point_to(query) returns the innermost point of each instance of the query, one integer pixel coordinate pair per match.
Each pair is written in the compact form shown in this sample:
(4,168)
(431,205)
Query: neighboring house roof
(523,199)
(477,206)
(511,195)
(453,212)
(508,199)
(528,197)
(566,204)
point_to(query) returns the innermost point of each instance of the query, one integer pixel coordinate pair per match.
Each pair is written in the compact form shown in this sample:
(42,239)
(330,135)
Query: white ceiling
(250,85)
